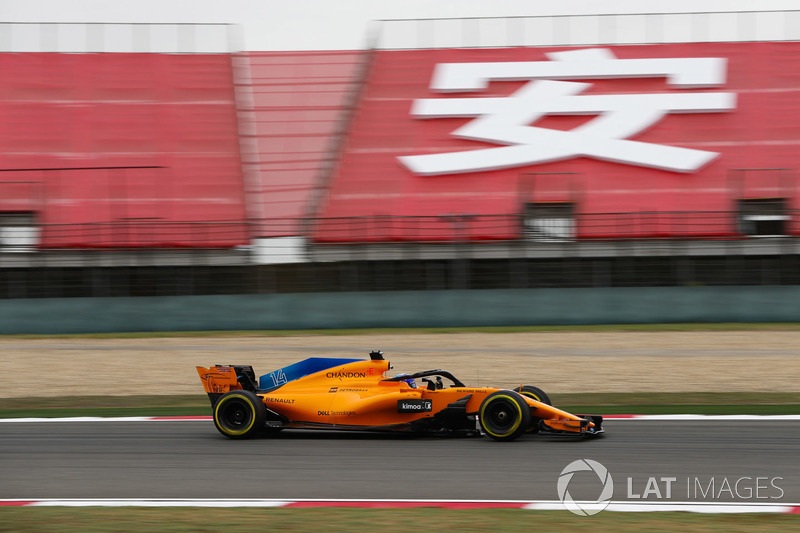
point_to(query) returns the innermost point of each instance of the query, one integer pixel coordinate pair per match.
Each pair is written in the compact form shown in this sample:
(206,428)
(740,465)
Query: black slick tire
(504,415)
(537,394)
(239,414)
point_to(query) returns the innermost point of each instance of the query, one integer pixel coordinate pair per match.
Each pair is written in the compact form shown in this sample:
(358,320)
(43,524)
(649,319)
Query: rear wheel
(239,414)
(504,415)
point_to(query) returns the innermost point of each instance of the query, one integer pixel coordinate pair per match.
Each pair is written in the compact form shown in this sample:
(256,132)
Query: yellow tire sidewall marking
(531,395)
(516,425)
(252,417)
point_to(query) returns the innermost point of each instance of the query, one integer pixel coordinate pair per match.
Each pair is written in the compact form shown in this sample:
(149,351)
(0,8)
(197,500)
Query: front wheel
(504,415)
(239,414)
(537,394)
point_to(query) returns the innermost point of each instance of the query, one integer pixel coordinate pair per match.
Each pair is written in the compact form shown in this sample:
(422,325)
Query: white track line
(674,417)
(108,419)
(539,505)
(689,507)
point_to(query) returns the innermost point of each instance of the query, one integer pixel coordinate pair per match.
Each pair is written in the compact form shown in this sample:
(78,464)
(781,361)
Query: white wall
(334,24)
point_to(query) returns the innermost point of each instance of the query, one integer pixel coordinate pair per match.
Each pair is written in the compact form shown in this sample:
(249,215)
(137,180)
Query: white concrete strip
(158,503)
(669,506)
(538,505)
(675,417)
(81,419)
(111,419)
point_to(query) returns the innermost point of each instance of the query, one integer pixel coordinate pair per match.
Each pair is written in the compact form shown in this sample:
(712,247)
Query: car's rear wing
(220,379)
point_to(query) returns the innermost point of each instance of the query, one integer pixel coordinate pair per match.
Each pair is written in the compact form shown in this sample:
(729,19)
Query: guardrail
(20,231)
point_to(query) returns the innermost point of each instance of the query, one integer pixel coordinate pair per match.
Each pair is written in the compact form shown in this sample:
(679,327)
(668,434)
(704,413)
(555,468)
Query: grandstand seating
(131,150)
(212,150)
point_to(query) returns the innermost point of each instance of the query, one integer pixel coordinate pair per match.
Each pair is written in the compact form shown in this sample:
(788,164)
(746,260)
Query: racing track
(189,459)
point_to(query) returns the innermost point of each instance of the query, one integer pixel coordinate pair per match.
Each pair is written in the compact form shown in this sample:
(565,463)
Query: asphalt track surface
(189,459)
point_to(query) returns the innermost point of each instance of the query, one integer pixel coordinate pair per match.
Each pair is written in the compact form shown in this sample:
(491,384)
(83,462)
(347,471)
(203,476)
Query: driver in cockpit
(411,382)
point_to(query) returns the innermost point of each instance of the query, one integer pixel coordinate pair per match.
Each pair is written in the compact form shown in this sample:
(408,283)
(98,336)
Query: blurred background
(231,175)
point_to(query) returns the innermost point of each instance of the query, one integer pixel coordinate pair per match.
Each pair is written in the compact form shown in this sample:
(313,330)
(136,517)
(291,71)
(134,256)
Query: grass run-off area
(85,520)
(715,403)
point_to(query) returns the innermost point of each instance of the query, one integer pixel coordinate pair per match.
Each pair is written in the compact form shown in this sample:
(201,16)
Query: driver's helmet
(411,382)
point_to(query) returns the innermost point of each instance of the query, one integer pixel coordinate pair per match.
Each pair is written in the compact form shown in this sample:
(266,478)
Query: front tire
(537,394)
(239,414)
(504,415)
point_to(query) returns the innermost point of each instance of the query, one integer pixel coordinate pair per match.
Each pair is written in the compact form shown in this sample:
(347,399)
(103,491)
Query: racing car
(355,394)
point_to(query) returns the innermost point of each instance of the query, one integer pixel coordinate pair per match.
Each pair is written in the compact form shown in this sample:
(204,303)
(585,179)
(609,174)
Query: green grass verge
(86,520)
(732,326)
(598,403)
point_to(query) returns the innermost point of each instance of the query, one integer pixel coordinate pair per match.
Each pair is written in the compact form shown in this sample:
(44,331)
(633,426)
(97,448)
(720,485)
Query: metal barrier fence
(548,227)
(201,278)
(20,232)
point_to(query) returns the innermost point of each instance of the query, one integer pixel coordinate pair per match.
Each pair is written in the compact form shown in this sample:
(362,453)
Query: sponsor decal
(345,375)
(507,121)
(335,413)
(278,377)
(337,389)
(414,406)
(279,400)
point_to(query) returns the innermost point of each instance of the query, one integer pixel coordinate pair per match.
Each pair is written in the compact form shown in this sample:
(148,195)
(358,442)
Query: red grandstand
(180,150)
(752,122)
(122,149)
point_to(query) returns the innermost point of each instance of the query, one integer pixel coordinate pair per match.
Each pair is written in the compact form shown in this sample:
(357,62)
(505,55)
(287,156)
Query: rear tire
(239,414)
(504,415)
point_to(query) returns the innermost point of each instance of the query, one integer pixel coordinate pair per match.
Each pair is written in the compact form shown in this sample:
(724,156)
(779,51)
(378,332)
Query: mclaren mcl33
(355,394)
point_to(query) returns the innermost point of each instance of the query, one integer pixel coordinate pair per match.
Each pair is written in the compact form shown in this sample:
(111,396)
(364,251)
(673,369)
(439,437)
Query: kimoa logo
(585,508)
(506,121)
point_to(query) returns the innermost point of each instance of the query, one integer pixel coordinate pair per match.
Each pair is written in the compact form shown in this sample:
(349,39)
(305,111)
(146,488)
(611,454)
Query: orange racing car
(355,394)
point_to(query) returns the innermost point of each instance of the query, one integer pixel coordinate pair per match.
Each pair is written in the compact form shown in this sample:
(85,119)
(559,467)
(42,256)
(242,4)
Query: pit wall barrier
(456,308)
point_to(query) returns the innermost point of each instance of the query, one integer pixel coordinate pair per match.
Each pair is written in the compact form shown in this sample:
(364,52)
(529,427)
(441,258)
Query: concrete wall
(403,309)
